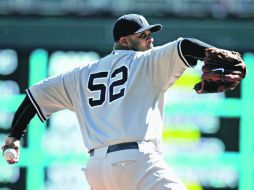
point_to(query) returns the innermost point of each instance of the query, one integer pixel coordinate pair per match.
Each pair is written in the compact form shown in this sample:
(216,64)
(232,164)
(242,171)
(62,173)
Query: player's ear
(123,42)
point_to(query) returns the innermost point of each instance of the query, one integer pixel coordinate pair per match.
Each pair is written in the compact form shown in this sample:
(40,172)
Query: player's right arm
(165,64)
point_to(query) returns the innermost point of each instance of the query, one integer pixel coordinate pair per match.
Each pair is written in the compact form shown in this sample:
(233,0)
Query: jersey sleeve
(53,94)
(165,64)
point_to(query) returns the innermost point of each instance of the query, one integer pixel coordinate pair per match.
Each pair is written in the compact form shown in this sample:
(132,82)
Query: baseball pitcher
(118,101)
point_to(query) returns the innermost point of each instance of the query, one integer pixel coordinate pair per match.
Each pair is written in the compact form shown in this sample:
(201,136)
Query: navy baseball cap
(132,24)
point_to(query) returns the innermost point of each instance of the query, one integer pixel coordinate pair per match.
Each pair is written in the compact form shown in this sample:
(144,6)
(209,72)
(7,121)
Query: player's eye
(144,35)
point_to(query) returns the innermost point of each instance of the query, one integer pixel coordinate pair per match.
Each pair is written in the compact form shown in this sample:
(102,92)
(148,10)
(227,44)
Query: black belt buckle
(91,152)
(117,147)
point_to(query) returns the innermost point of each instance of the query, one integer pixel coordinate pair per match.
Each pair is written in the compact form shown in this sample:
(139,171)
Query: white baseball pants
(131,169)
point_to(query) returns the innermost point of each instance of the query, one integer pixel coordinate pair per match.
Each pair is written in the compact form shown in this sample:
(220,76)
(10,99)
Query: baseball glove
(222,70)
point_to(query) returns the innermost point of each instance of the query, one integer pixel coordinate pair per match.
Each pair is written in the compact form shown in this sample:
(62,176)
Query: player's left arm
(25,112)
(51,95)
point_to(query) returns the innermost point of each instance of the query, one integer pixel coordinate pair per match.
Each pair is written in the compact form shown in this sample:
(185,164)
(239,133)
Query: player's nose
(149,40)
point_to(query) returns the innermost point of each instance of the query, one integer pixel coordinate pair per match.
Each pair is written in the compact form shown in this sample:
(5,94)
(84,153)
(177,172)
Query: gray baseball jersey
(118,98)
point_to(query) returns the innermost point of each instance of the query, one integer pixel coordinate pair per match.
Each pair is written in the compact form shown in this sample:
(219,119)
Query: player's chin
(149,46)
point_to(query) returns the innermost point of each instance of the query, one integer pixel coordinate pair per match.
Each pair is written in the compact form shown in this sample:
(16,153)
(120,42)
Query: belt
(117,147)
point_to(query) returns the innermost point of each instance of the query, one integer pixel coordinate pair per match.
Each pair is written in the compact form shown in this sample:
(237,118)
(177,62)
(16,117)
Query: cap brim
(152,28)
